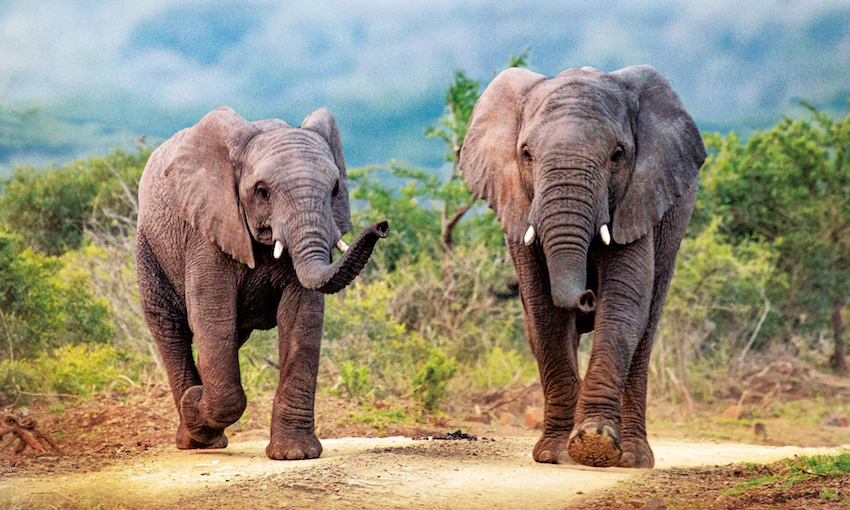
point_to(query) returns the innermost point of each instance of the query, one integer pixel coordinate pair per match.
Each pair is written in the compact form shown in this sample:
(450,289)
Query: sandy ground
(393,472)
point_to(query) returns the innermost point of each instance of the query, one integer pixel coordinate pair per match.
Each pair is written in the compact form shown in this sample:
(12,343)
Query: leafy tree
(51,208)
(791,187)
(460,100)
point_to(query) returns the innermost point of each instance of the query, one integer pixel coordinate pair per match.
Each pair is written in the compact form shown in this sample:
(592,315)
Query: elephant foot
(552,450)
(595,444)
(185,441)
(636,454)
(294,448)
(195,432)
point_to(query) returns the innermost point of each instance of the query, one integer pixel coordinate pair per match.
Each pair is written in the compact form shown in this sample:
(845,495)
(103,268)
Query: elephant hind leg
(165,313)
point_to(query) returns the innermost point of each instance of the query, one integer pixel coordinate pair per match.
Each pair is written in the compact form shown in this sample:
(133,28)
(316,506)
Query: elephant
(237,221)
(593,177)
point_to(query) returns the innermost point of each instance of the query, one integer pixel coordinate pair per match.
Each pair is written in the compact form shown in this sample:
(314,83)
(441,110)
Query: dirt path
(393,472)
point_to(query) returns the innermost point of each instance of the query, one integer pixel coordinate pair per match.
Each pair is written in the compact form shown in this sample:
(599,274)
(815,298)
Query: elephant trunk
(567,221)
(315,271)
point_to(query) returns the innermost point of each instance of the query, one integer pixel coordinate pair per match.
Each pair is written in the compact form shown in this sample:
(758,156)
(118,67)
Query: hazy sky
(153,67)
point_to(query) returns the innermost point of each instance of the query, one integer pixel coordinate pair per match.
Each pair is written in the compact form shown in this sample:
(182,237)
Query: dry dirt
(394,472)
(118,453)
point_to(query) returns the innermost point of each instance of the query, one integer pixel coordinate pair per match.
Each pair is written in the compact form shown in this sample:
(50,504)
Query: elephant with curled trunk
(237,223)
(593,177)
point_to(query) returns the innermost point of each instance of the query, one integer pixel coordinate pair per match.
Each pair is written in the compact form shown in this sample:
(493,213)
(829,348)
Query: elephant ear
(669,153)
(322,122)
(488,158)
(203,171)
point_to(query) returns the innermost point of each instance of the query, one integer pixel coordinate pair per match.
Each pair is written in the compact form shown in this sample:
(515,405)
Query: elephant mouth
(264,236)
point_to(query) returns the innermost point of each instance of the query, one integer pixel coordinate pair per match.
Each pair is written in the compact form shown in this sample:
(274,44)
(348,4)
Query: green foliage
(450,302)
(359,329)
(521,60)
(790,187)
(353,380)
(51,208)
(500,368)
(110,272)
(460,99)
(257,360)
(45,304)
(429,384)
(714,303)
(801,469)
(415,220)
(67,371)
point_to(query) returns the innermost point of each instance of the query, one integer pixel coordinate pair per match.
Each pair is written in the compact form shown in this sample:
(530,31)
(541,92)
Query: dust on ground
(118,452)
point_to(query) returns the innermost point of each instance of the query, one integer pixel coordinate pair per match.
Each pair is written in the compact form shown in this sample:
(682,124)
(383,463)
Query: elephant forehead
(579,94)
(290,149)
(293,141)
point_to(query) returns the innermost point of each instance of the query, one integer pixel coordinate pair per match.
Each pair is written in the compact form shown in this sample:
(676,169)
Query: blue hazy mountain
(80,77)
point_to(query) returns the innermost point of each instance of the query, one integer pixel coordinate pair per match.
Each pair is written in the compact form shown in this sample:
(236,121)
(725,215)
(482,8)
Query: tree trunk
(837,361)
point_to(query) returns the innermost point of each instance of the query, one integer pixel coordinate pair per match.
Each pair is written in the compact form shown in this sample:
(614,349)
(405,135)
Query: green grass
(376,418)
(800,469)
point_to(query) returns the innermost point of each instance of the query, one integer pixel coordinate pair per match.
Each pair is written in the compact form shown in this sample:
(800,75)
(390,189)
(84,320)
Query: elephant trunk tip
(574,297)
(381,229)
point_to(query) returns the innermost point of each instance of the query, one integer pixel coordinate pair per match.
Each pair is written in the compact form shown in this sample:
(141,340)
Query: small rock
(655,504)
(836,420)
(506,418)
(534,418)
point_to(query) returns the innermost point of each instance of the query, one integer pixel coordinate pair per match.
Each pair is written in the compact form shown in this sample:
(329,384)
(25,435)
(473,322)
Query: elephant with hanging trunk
(593,177)
(236,229)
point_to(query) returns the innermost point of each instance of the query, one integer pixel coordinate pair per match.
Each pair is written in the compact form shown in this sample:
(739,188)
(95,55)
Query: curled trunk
(318,273)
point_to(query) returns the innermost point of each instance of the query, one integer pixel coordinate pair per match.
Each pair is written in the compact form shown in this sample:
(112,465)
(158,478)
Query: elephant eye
(526,156)
(336,189)
(262,192)
(618,155)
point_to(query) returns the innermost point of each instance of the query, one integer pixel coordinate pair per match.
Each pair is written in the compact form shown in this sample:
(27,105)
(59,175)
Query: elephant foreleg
(207,409)
(634,443)
(553,339)
(626,275)
(299,324)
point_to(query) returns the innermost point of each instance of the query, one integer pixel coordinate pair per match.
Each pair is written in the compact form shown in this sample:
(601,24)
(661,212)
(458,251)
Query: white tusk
(278,249)
(341,246)
(606,235)
(530,234)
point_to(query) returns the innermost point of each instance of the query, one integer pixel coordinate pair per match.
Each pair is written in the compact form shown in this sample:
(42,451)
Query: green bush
(500,368)
(353,381)
(430,382)
(359,328)
(714,304)
(44,304)
(67,371)
(51,208)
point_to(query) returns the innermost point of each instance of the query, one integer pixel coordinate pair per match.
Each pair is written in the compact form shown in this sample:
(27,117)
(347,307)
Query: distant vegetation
(764,265)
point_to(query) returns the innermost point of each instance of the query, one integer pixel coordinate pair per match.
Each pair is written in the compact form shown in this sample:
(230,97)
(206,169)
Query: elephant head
(584,154)
(247,184)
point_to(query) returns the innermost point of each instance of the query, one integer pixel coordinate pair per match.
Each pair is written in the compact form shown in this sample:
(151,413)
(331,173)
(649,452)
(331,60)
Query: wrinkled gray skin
(568,155)
(213,200)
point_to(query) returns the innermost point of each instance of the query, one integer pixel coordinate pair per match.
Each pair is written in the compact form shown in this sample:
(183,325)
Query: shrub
(353,380)
(500,368)
(66,371)
(50,208)
(44,304)
(359,328)
(429,384)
